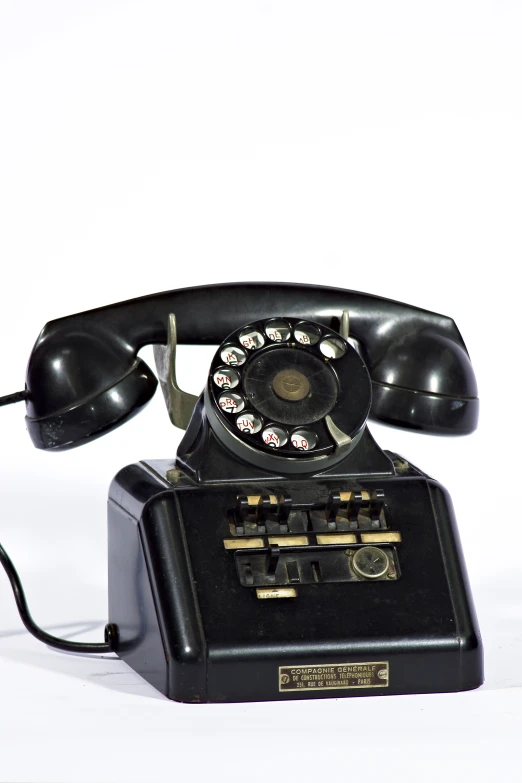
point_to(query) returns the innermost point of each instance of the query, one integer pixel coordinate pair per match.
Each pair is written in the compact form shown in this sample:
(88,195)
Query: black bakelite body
(270,561)
(186,608)
(84,376)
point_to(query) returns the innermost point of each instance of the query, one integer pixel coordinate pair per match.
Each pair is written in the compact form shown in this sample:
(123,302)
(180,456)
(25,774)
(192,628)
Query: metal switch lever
(180,404)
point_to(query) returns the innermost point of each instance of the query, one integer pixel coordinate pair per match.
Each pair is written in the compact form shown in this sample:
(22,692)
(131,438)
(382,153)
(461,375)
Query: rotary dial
(276,386)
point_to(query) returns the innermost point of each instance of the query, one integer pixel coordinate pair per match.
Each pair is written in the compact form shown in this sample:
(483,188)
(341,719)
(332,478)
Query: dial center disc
(306,388)
(291,385)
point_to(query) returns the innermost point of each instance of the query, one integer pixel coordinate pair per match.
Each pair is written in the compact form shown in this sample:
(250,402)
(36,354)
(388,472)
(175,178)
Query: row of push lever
(273,514)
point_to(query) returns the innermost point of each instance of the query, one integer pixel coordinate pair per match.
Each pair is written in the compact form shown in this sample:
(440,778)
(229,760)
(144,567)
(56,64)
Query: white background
(152,145)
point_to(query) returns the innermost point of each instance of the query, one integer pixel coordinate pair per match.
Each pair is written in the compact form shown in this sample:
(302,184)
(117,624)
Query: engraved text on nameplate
(374,674)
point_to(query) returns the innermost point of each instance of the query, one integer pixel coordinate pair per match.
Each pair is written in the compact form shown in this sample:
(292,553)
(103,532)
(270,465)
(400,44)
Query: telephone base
(327,587)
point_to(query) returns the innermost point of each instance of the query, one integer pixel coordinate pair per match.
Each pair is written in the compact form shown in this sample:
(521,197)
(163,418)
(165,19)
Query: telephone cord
(16,397)
(35,630)
(21,602)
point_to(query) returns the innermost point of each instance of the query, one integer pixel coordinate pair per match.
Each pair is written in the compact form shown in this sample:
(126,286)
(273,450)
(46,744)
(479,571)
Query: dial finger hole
(251,339)
(274,436)
(304,440)
(277,331)
(233,356)
(226,378)
(332,348)
(249,423)
(307,334)
(231,403)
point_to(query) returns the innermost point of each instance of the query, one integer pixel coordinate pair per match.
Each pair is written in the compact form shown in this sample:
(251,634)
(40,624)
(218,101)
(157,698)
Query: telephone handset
(278,492)
(84,376)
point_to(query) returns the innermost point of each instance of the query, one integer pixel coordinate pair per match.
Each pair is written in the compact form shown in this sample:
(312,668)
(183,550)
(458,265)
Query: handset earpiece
(424,380)
(82,386)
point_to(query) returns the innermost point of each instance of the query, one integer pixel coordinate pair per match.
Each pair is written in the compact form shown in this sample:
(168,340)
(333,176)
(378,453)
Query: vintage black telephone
(281,554)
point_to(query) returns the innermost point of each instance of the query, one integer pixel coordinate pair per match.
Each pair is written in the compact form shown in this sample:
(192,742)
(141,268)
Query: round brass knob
(291,385)
(371,562)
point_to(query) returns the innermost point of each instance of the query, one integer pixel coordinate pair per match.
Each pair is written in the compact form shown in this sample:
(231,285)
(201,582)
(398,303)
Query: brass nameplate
(334,677)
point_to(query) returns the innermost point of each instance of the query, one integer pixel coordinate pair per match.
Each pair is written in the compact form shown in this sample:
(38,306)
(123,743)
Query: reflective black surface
(192,628)
(77,359)
(258,382)
(337,395)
